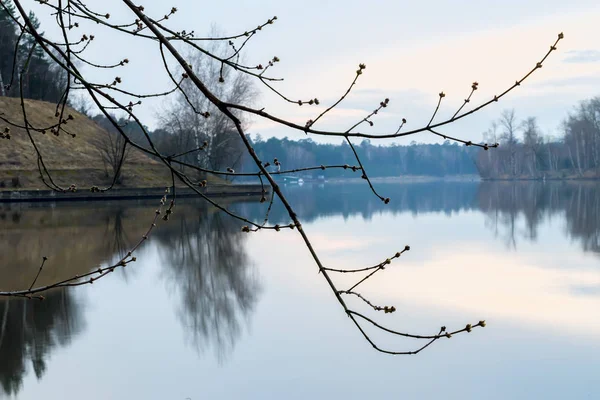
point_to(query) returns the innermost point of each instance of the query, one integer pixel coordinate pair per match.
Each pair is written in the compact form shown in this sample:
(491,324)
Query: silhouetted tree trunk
(114,152)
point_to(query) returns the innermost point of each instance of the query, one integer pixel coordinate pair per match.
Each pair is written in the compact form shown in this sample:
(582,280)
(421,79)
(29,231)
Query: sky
(412,51)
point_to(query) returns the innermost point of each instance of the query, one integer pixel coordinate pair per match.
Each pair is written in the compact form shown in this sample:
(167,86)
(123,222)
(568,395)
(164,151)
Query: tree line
(41,79)
(380,161)
(526,153)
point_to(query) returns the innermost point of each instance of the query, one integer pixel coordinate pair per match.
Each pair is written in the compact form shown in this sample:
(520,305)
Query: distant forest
(43,80)
(380,161)
(524,152)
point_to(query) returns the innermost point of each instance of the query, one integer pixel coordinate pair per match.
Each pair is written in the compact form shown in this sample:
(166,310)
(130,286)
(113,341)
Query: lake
(210,312)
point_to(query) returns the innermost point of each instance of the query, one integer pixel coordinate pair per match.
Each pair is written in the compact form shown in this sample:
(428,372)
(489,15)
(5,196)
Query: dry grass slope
(71,160)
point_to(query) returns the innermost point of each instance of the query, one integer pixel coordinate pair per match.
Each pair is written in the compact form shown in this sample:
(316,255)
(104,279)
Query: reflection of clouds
(506,285)
(494,283)
(339,242)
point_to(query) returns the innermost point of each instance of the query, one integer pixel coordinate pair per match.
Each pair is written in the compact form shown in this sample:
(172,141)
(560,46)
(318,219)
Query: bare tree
(114,151)
(532,142)
(173,45)
(509,124)
(487,164)
(211,143)
(551,144)
(581,134)
(575,153)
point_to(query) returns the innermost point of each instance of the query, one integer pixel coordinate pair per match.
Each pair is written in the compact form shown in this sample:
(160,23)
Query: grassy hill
(71,160)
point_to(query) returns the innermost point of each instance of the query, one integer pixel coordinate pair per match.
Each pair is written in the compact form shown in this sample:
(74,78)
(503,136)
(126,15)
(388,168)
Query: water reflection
(205,262)
(505,204)
(76,239)
(203,259)
(31,330)
(536,203)
(353,199)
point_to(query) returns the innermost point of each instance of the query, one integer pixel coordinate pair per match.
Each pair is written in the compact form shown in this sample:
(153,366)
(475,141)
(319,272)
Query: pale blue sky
(413,50)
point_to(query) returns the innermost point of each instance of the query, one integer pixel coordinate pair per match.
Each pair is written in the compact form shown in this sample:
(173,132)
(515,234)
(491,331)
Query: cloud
(586,290)
(582,80)
(582,56)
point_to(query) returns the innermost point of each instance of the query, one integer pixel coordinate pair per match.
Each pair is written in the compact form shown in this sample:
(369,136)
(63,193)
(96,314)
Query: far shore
(411,179)
(214,190)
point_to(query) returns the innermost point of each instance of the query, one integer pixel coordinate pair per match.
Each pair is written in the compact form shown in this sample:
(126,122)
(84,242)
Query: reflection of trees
(76,239)
(206,262)
(505,203)
(514,210)
(30,330)
(204,253)
(118,239)
(583,216)
(353,200)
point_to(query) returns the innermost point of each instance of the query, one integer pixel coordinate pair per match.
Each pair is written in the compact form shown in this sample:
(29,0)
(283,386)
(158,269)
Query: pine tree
(8,39)
(41,81)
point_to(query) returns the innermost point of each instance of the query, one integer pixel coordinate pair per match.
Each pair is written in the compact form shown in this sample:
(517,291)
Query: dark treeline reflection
(30,330)
(354,199)
(76,238)
(577,204)
(506,205)
(204,260)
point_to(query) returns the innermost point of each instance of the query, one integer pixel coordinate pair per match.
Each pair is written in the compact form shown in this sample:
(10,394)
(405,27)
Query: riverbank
(215,190)
(560,175)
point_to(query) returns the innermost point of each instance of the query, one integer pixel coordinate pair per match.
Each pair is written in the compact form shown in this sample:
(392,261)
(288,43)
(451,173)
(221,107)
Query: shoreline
(217,190)
(568,179)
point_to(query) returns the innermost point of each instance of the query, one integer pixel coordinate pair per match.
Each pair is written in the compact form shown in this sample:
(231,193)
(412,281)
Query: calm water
(209,312)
